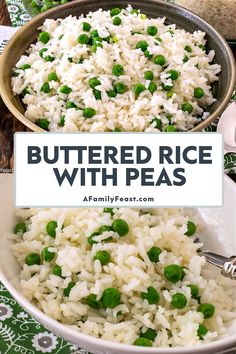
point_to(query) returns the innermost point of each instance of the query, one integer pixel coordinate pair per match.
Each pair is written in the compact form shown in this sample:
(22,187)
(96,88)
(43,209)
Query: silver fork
(226,264)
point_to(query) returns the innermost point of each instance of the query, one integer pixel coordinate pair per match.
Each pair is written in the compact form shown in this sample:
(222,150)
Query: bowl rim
(53,325)
(7,50)
(74,335)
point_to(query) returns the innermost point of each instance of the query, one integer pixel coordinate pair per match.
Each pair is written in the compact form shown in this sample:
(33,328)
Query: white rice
(130,271)
(124,112)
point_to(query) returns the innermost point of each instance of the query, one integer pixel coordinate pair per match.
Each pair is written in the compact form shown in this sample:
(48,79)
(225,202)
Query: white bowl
(219,236)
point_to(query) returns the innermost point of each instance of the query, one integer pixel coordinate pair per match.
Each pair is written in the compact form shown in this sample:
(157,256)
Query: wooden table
(8,124)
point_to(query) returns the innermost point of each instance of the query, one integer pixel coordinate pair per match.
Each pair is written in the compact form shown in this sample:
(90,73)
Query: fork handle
(215,259)
(227,264)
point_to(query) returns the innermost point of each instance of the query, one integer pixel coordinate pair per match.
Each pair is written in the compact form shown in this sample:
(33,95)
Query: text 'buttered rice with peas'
(116,70)
(125,275)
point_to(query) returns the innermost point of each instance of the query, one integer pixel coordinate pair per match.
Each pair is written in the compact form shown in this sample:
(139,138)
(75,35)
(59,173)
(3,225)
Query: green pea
(194,291)
(47,255)
(116,21)
(187,107)
(91,300)
(116,11)
(143,342)
(143,16)
(118,130)
(198,92)
(191,229)
(51,228)
(111,297)
(138,88)
(43,123)
(152,30)
(65,89)
(97,94)
(166,87)
(83,38)
(179,301)
(71,104)
(186,58)
(148,55)
(32,258)
(86,26)
(120,226)
(108,39)
(42,50)
(44,37)
(134,12)
(95,46)
(142,45)
(68,289)
(52,76)
(174,75)
(152,87)
(120,88)
(62,121)
(173,273)
(188,49)
(108,210)
(170,129)
(151,296)
(158,123)
(154,253)
(94,33)
(25,67)
(160,60)
(118,70)
(103,257)
(49,58)
(202,47)
(56,270)
(149,334)
(45,87)
(111,93)
(25,91)
(148,75)
(15,73)
(93,82)
(91,240)
(104,228)
(97,39)
(20,228)
(89,112)
(170,31)
(169,94)
(202,331)
(207,310)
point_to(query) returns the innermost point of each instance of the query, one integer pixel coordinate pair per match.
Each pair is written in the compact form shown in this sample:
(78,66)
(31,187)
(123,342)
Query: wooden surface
(8,124)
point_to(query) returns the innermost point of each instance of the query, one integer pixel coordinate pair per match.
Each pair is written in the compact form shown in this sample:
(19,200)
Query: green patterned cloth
(19,16)
(20,333)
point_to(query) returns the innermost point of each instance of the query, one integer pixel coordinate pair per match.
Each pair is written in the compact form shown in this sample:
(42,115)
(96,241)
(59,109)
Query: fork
(226,264)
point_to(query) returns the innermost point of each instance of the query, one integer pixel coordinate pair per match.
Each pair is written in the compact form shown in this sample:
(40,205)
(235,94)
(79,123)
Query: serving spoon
(226,264)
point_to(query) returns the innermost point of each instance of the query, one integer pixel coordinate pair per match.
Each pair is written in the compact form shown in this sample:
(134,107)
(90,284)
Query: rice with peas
(115,281)
(54,76)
